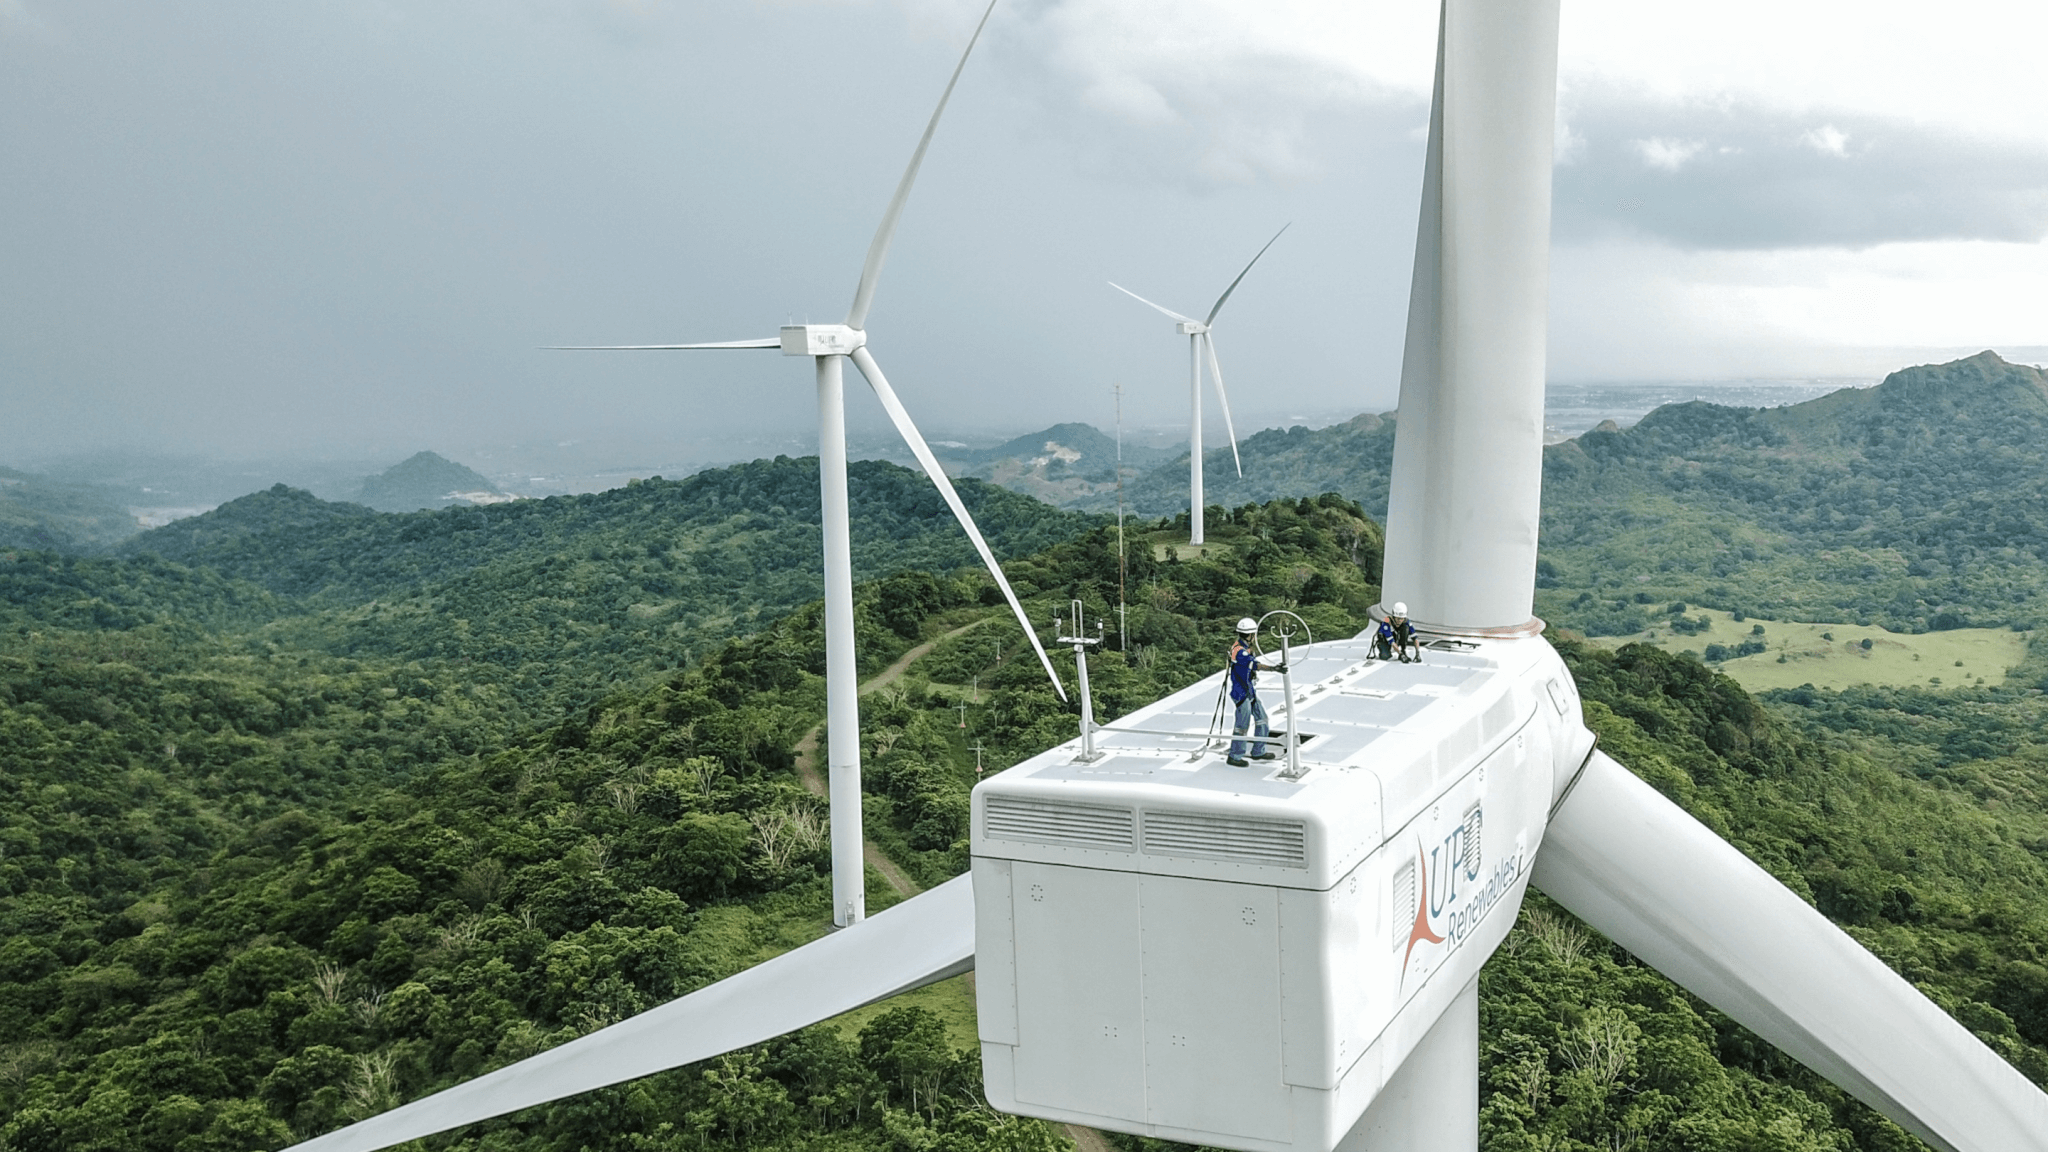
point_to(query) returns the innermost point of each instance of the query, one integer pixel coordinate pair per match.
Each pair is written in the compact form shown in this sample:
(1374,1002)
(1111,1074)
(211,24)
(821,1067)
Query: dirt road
(807,752)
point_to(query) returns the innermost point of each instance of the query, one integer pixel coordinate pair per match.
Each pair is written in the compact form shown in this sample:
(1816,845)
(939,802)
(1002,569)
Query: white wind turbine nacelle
(1202,347)
(1171,946)
(830,346)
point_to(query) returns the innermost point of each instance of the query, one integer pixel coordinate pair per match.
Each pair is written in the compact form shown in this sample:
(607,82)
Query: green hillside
(1919,504)
(1353,458)
(550,599)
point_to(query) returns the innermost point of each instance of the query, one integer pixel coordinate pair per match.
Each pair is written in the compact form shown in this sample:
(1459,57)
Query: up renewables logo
(1440,897)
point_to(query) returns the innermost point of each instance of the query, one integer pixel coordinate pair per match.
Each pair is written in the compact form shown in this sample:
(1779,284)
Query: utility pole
(1123,630)
(977,758)
(963,712)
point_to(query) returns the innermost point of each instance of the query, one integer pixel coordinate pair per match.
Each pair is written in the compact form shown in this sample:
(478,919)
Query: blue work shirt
(1391,636)
(1244,669)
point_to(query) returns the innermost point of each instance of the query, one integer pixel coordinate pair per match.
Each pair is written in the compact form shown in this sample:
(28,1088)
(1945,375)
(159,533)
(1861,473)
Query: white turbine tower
(830,346)
(1286,959)
(1202,347)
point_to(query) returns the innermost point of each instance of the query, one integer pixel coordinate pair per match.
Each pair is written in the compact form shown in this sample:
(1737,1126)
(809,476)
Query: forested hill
(423,480)
(1921,503)
(552,599)
(756,522)
(1353,458)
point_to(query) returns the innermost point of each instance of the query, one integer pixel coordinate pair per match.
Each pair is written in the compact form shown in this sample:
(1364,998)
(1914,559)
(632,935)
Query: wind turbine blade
(863,360)
(924,939)
(1149,304)
(1637,867)
(878,249)
(1240,275)
(772,342)
(1216,374)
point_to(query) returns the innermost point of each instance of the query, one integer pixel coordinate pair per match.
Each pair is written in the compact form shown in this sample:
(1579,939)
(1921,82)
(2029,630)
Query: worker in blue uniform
(1395,637)
(1244,692)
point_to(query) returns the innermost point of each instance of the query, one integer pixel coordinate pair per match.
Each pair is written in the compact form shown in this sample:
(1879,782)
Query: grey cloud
(346,225)
(1729,176)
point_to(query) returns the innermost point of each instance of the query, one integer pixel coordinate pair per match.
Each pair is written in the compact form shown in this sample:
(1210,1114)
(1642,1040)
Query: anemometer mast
(1081,641)
(1293,770)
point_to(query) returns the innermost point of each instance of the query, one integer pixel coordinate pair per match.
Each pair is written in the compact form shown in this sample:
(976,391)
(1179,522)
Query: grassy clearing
(1162,550)
(950,1000)
(1834,655)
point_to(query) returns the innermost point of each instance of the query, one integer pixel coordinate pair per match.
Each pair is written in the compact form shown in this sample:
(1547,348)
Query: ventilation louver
(1403,918)
(1272,843)
(1070,825)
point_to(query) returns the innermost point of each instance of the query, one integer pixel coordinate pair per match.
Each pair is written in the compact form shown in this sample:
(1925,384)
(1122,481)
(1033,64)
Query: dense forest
(302,819)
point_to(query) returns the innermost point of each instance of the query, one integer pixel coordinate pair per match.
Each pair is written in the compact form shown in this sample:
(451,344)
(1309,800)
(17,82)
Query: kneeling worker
(1396,637)
(1244,692)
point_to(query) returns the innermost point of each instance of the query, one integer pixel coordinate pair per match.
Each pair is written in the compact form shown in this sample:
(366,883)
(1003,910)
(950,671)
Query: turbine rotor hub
(821,339)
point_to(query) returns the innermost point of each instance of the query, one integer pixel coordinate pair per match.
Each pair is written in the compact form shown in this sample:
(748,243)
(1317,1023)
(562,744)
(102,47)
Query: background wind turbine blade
(1149,304)
(1637,867)
(863,360)
(926,938)
(878,249)
(772,342)
(1240,275)
(1222,399)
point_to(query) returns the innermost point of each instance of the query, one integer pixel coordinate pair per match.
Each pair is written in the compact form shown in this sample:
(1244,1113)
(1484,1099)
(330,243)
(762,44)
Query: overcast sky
(334,226)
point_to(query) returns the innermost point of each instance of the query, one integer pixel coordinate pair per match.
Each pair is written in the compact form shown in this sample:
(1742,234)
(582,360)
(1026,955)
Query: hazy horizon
(162,485)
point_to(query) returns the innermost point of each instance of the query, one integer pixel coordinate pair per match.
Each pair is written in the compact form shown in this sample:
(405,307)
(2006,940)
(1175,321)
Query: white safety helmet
(1247,626)
(1400,609)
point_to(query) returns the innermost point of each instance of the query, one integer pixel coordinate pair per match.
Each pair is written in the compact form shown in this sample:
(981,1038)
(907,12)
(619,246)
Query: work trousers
(1250,713)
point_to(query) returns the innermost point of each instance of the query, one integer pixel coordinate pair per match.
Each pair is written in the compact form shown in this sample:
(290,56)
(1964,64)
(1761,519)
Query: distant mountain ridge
(1067,465)
(1353,458)
(599,579)
(36,512)
(425,480)
(1921,502)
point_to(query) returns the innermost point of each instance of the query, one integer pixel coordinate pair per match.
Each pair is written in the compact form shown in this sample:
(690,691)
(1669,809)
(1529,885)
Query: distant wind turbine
(1202,346)
(830,346)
